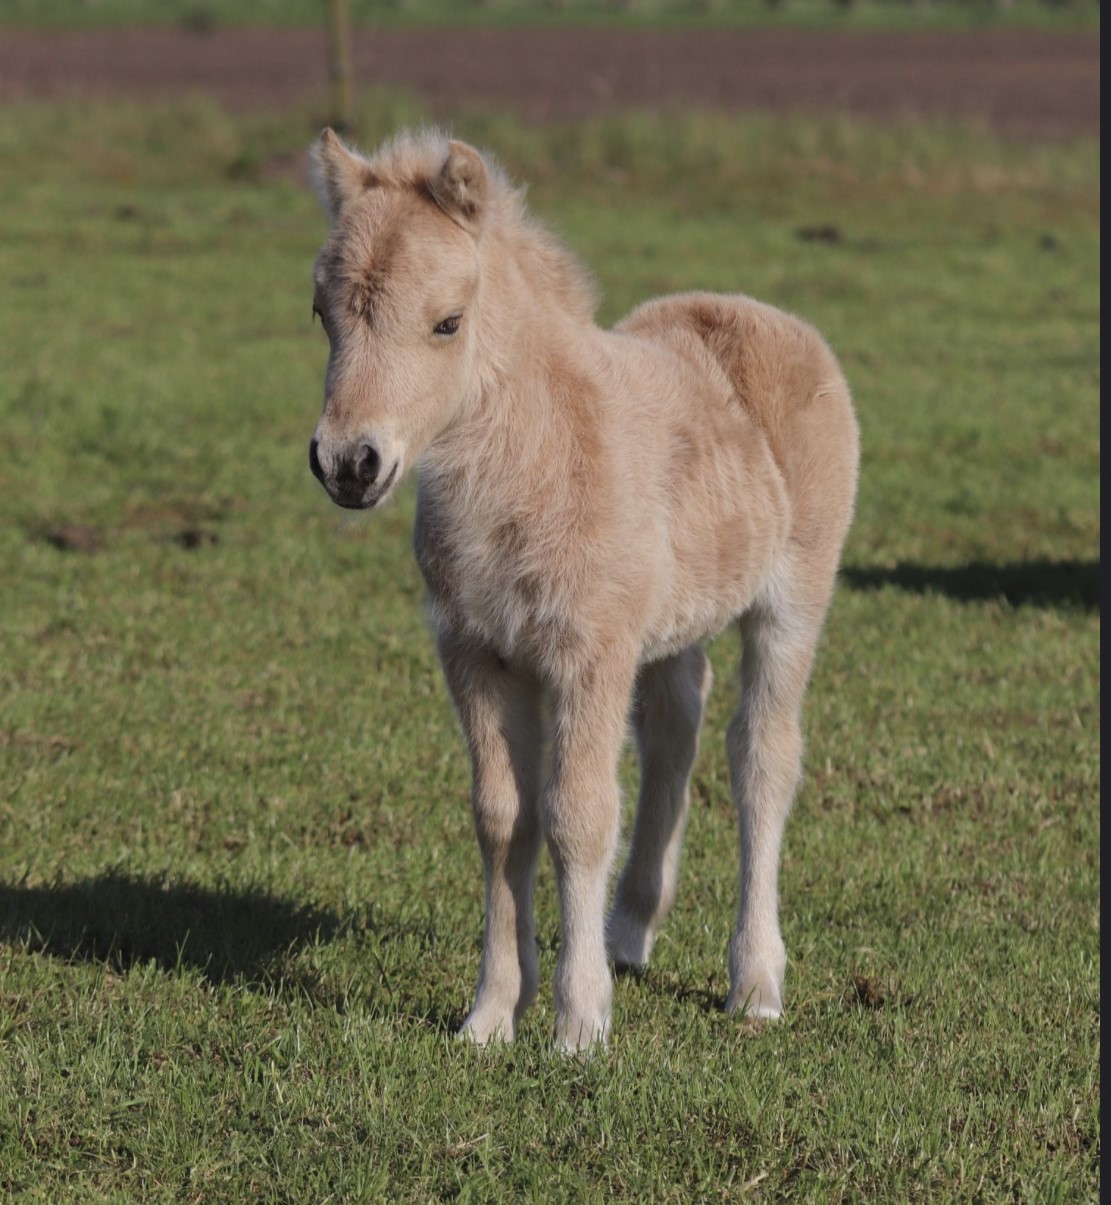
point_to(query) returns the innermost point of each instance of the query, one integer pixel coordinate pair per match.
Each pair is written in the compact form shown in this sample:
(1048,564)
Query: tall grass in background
(201,16)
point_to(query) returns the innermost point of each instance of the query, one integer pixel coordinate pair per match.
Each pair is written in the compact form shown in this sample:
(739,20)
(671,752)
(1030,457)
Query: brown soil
(1020,83)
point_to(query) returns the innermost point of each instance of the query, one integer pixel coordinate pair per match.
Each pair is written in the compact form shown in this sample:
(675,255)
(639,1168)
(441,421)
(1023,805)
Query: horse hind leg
(765,759)
(669,704)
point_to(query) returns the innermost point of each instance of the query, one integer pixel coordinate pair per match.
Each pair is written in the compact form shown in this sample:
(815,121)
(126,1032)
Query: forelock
(413,158)
(356,263)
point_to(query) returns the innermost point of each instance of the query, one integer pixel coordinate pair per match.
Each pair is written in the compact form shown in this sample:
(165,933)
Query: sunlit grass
(240,902)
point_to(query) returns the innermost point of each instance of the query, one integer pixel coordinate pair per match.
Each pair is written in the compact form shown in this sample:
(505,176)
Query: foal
(591,506)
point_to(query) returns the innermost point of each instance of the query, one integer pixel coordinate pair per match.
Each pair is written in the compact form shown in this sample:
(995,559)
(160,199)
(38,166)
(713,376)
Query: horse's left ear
(462,185)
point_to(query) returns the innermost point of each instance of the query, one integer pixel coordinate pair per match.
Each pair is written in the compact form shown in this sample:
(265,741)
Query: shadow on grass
(120,920)
(665,984)
(245,936)
(1037,583)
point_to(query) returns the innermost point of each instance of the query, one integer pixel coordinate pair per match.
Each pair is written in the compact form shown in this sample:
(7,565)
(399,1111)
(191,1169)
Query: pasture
(203,16)
(240,899)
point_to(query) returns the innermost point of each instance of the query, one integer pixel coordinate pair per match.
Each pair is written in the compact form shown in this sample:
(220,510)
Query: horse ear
(462,185)
(340,175)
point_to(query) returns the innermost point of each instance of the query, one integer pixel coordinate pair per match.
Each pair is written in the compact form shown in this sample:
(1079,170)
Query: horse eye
(449,325)
(318,313)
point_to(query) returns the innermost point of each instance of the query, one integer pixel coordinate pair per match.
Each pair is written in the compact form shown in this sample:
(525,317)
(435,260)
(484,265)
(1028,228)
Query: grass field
(203,15)
(240,902)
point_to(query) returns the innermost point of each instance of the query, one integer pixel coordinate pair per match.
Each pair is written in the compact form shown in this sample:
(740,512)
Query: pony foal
(591,506)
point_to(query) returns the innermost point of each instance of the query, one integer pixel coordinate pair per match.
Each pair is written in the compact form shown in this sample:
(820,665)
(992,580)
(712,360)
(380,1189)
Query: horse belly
(727,528)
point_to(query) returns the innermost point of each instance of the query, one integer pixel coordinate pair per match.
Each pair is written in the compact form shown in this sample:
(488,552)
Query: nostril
(314,459)
(367,463)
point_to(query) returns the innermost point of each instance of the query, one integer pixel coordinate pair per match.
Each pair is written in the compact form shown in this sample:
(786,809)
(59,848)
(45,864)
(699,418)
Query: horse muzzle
(358,478)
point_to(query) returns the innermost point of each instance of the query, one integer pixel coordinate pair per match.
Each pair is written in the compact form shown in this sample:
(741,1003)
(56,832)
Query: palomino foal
(591,506)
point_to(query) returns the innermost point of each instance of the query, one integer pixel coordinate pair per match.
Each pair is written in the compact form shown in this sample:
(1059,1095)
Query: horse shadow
(246,935)
(1068,584)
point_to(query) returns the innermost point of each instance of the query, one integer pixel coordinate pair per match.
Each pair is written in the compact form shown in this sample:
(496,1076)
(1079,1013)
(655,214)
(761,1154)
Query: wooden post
(339,29)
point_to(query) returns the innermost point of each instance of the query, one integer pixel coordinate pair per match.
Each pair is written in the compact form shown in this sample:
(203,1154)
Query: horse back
(780,371)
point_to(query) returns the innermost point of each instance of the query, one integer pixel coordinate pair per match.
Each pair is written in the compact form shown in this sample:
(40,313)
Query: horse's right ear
(339,174)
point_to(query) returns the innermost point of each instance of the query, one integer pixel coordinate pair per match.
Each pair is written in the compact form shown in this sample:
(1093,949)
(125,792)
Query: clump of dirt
(819,234)
(192,538)
(75,537)
(867,992)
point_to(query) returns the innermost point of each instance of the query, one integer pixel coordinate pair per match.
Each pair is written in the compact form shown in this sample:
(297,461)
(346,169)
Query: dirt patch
(75,537)
(1019,83)
(192,538)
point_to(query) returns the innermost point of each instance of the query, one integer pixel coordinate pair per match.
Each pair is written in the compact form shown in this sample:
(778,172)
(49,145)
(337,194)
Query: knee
(503,819)
(775,738)
(581,830)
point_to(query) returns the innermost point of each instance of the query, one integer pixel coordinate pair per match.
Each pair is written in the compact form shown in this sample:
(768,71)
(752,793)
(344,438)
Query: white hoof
(628,941)
(582,1035)
(484,1027)
(759,999)
(756,972)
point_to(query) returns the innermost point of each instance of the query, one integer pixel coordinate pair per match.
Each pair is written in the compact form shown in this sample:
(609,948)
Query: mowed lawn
(240,901)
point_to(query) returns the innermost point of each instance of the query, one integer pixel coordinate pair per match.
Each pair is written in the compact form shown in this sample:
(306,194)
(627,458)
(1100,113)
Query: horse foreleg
(501,715)
(581,813)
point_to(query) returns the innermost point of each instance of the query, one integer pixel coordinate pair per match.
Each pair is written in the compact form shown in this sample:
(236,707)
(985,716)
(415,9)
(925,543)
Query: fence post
(339,29)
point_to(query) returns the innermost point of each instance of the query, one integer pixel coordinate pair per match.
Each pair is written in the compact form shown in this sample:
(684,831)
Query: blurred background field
(240,902)
(202,15)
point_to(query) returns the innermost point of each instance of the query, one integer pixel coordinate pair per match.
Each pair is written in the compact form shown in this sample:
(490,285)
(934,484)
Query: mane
(414,157)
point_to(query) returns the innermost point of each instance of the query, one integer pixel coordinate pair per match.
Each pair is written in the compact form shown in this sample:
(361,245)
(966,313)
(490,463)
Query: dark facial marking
(370,279)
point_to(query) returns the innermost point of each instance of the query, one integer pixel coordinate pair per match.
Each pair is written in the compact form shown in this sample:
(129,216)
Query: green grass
(240,902)
(203,15)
